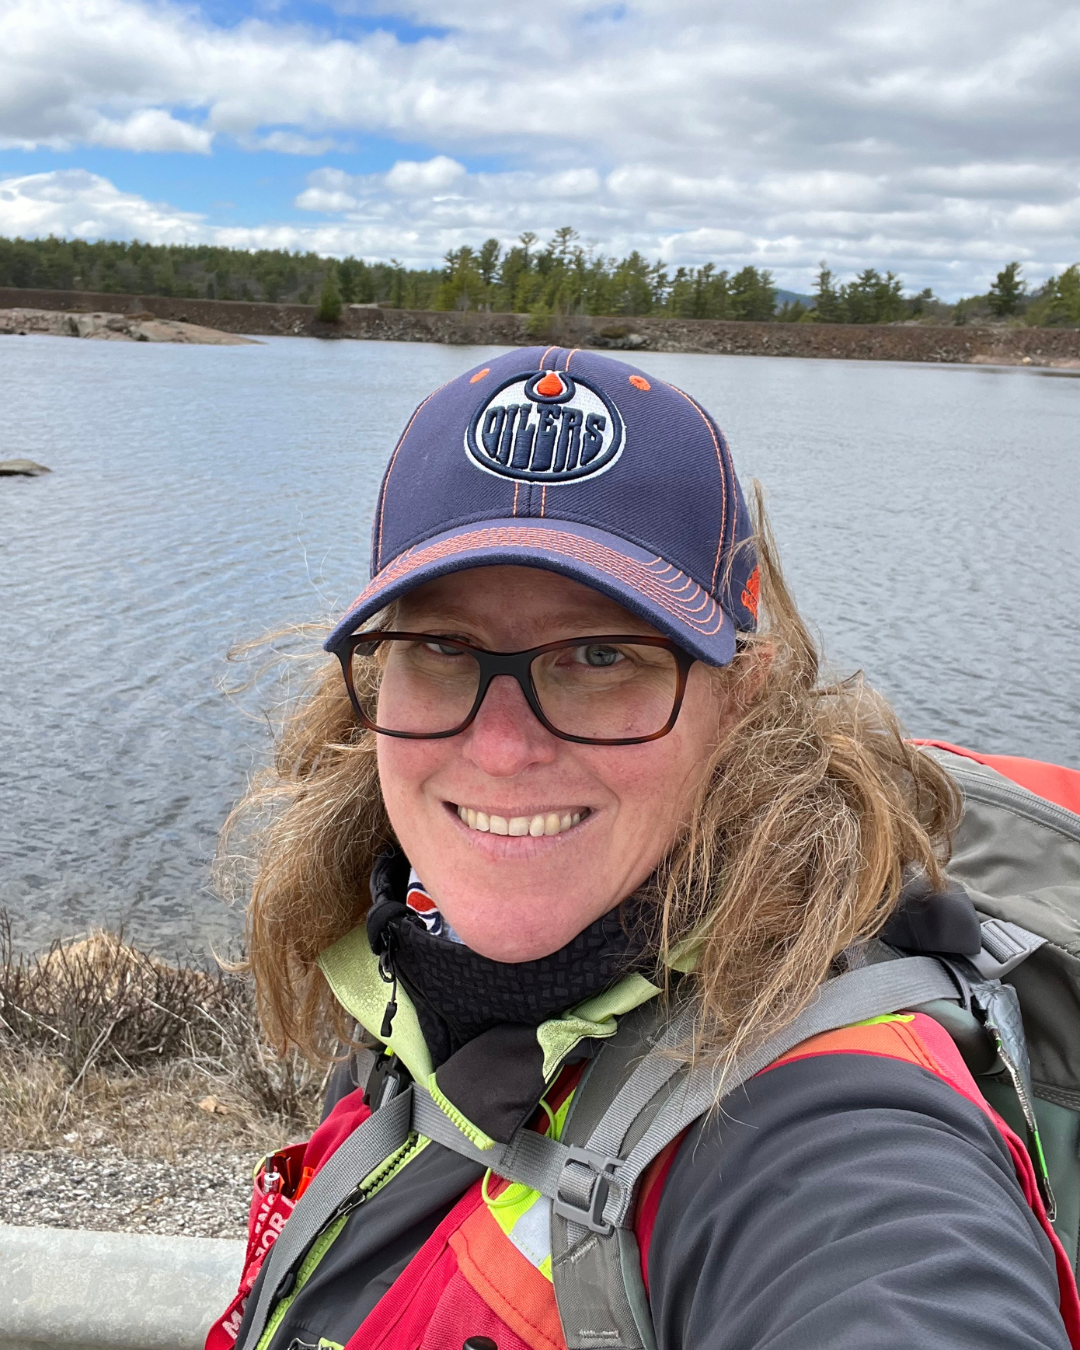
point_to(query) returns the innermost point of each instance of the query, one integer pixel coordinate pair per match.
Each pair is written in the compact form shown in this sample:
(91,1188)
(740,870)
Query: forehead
(521,599)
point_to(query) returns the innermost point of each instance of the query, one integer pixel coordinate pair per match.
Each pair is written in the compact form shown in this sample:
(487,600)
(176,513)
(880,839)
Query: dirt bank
(113,327)
(1054,347)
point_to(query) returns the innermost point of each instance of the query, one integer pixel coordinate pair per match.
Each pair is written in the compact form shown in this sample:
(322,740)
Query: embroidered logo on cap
(546,428)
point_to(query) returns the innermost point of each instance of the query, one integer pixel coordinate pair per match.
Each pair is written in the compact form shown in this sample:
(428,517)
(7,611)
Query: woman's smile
(545,823)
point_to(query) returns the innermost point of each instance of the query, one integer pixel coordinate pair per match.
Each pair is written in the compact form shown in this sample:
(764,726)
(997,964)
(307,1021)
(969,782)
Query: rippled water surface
(201,496)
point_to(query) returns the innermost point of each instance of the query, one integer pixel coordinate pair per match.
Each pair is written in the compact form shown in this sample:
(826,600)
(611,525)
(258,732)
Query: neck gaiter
(460,994)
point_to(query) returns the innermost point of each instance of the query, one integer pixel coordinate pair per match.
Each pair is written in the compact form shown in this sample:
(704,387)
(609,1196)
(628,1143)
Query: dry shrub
(97,1037)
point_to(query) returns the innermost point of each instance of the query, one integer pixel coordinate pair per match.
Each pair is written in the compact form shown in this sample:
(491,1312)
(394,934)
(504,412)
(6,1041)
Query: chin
(513,944)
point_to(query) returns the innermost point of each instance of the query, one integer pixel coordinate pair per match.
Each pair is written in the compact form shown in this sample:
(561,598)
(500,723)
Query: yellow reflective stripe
(531,1234)
(523,1214)
(885,1017)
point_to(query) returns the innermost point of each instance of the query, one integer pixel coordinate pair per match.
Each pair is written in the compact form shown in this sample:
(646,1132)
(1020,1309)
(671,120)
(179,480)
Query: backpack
(1013,1010)
(1017,854)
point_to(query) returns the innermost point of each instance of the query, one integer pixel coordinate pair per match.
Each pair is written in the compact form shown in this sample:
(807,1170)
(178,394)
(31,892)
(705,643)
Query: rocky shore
(1054,348)
(112,327)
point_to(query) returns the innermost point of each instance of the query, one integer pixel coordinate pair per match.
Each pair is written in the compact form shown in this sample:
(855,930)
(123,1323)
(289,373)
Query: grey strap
(380,1136)
(1004,946)
(870,992)
(595,1264)
(569,1175)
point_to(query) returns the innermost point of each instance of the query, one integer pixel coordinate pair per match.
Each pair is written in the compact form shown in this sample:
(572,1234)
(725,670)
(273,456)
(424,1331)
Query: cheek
(404,768)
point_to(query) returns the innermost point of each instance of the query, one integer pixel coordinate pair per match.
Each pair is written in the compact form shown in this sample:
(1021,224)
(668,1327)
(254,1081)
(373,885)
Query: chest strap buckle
(583,1189)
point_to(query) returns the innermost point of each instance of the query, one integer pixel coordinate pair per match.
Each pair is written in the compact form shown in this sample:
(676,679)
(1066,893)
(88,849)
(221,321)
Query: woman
(580,786)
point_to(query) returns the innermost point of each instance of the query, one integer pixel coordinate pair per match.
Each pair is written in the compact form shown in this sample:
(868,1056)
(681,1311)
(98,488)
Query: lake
(929,517)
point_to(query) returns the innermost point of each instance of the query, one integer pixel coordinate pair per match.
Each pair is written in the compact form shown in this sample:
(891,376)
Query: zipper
(330,1231)
(388,975)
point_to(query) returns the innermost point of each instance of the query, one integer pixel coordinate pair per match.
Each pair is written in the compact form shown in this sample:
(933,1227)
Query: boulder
(26,467)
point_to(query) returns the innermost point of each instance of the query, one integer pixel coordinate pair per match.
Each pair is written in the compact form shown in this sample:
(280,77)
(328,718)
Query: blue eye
(600,656)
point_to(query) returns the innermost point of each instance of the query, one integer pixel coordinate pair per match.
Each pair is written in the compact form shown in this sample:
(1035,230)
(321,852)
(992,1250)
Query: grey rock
(26,467)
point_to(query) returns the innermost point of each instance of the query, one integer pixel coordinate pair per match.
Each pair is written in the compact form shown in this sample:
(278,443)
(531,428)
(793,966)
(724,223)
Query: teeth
(549,823)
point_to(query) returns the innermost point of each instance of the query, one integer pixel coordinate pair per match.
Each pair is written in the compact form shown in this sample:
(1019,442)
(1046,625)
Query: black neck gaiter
(459,994)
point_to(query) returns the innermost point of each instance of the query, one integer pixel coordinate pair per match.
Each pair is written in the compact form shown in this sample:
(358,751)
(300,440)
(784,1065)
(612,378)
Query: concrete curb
(70,1289)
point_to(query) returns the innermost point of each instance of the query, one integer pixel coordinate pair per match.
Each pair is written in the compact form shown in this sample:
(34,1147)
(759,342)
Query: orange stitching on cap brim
(546,354)
(517,485)
(570,356)
(393,460)
(543,498)
(723,485)
(640,576)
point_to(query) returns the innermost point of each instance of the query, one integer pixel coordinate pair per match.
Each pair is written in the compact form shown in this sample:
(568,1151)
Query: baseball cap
(572,462)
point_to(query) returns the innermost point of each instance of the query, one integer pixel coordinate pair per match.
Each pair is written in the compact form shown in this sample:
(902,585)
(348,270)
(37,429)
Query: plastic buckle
(1004,946)
(590,1216)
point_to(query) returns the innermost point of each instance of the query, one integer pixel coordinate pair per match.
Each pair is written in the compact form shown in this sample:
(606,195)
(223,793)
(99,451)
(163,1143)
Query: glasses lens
(421,688)
(607,692)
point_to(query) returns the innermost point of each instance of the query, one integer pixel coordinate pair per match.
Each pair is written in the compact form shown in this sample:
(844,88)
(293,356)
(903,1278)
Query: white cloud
(937,139)
(291,143)
(411,178)
(73,202)
(152,129)
(571,183)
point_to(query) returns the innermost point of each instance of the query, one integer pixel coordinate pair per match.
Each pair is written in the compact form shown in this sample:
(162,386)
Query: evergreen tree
(487,261)
(329,310)
(1007,292)
(1057,303)
(348,280)
(829,307)
(753,295)
(873,298)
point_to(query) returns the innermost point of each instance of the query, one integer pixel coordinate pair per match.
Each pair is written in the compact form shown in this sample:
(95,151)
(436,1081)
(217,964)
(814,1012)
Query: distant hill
(789,298)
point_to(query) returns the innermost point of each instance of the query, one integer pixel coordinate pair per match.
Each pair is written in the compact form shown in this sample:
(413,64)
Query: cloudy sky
(935,137)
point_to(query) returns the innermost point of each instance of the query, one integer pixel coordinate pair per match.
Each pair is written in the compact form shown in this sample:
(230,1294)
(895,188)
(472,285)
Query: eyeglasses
(609,690)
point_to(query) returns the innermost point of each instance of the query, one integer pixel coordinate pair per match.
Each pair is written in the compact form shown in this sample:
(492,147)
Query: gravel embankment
(199,1196)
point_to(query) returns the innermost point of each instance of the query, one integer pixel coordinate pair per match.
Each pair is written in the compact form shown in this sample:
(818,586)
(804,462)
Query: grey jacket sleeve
(849,1202)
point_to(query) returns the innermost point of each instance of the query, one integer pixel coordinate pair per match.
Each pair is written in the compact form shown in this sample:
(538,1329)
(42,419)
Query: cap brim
(642,582)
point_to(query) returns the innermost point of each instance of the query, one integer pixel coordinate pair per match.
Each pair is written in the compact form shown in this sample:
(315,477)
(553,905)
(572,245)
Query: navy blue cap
(573,462)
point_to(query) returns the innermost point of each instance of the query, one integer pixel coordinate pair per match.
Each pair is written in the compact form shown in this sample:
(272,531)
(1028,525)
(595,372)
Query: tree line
(559,276)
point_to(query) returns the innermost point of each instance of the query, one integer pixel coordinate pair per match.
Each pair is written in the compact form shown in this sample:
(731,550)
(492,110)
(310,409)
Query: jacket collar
(491,1086)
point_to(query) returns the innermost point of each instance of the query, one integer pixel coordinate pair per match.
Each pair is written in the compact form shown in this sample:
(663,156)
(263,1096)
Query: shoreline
(1051,348)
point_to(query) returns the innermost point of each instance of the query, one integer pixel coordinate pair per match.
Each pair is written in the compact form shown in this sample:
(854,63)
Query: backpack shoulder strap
(608,1142)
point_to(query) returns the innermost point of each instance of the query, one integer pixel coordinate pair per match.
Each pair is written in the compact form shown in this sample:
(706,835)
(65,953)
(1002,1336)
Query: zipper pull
(388,973)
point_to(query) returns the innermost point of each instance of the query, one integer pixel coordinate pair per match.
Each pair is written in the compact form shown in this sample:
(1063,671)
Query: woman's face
(517,898)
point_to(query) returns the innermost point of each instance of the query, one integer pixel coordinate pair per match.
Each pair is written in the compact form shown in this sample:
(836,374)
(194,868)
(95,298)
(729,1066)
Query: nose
(505,739)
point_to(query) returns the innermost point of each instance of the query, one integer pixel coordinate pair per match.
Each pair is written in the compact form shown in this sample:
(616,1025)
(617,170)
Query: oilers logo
(545,428)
